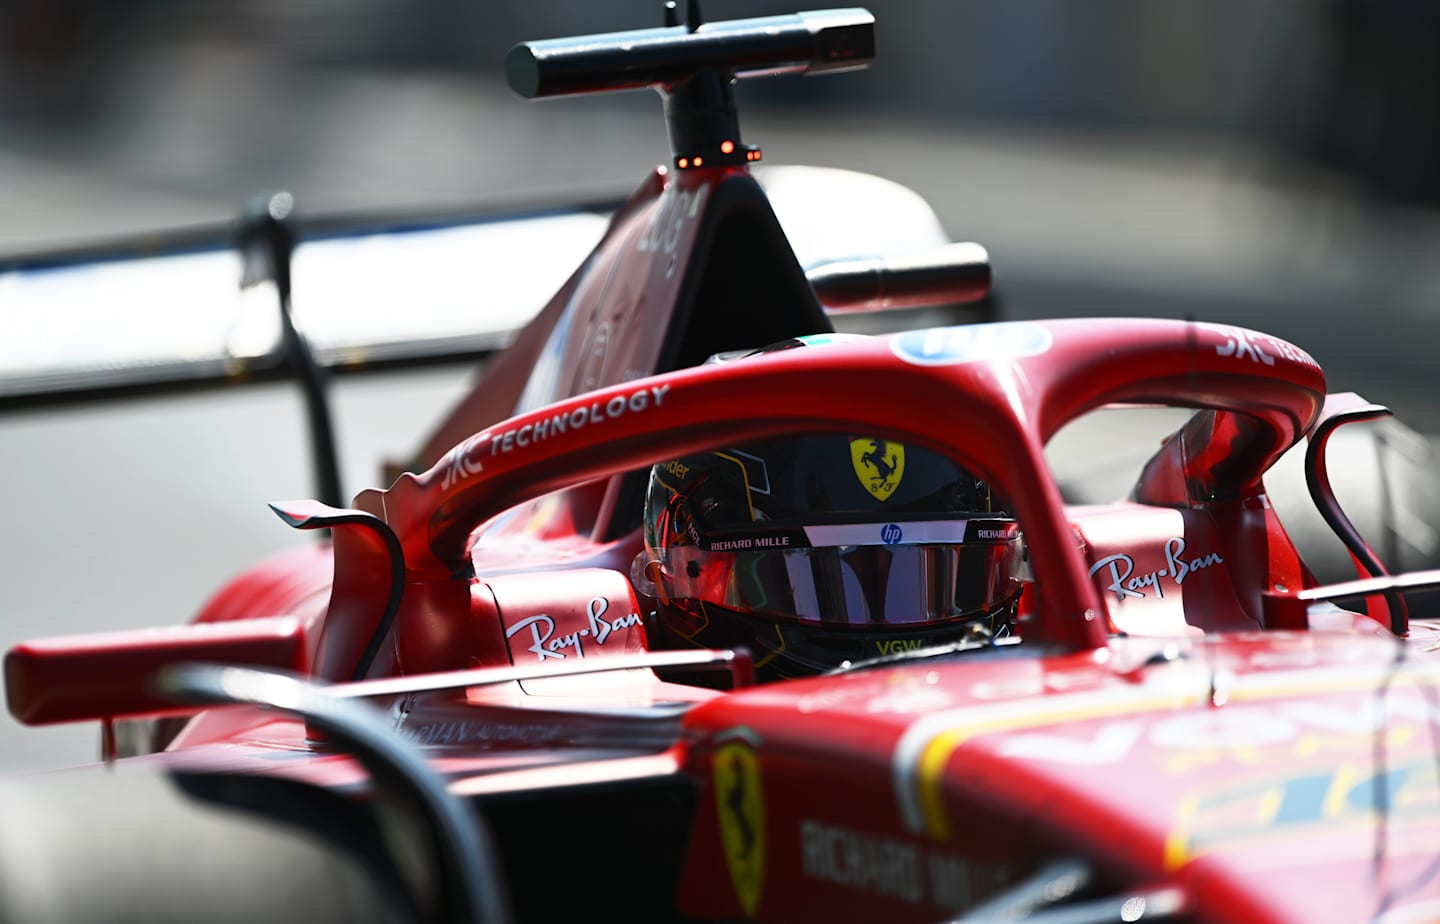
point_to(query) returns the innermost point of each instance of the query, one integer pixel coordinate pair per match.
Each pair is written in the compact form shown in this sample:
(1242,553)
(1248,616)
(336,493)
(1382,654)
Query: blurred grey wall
(1229,64)
(1345,83)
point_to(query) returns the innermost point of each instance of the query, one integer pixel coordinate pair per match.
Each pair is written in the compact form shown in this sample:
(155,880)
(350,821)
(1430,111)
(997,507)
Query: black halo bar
(693,67)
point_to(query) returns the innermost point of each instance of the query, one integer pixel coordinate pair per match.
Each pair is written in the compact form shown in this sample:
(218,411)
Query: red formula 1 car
(697,610)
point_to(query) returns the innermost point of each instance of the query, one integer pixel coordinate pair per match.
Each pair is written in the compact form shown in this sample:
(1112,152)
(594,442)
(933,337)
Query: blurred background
(1272,165)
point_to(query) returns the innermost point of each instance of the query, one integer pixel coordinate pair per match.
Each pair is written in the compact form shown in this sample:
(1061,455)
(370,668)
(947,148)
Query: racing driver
(819,551)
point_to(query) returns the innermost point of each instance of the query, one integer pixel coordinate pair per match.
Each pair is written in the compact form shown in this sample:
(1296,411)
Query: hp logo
(890,533)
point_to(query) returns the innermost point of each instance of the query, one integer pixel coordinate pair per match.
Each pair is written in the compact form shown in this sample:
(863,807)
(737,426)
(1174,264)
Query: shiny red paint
(108,674)
(1146,723)
(968,773)
(998,429)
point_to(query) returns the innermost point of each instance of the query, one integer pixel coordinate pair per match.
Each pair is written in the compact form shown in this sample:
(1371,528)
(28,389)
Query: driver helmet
(817,551)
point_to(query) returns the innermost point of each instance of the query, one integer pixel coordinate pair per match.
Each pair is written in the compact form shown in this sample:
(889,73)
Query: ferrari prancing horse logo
(740,808)
(879,464)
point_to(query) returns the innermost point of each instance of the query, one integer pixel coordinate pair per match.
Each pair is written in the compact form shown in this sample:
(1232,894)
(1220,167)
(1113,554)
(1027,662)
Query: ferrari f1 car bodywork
(472,720)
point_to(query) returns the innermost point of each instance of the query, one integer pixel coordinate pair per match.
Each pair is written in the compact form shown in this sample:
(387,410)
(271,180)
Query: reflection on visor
(760,536)
(851,585)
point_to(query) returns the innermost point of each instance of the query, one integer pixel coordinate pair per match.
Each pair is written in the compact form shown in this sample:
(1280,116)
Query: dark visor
(852,584)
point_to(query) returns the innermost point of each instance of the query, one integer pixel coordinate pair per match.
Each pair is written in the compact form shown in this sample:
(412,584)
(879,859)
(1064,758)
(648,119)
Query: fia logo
(945,346)
(879,464)
(891,533)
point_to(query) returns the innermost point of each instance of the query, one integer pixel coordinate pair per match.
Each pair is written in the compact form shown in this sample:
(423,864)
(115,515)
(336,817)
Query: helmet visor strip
(864,574)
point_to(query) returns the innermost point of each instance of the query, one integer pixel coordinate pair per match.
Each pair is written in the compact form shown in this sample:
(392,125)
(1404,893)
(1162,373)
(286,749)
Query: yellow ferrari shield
(740,808)
(879,464)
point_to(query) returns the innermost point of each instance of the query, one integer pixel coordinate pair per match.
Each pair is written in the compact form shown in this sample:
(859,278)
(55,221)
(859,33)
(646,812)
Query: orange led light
(726,147)
(699,160)
(682,163)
